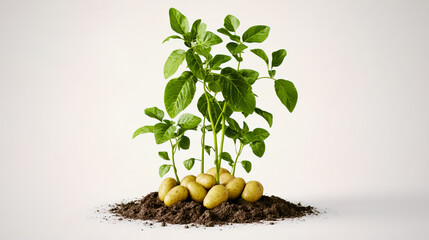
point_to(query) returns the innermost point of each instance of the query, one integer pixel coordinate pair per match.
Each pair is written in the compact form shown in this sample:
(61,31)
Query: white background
(77,75)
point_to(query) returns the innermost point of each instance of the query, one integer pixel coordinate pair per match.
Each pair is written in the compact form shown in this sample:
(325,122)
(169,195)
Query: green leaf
(171,37)
(234,135)
(258,148)
(278,57)
(189,121)
(142,130)
(164,169)
(249,75)
(235,48)
(154,112)
(256,34)
(248,138)
(208,39)
(164,155)
(266,115)
(260,53)
(245,127)
(237,92)
(233,125)
(195,64)
(179,93)
(198,28)
(184,142)
(233,37)
(207,149)
(226,156)
(219,60)
(260,134)
(173,62)
(189,163)
(204,51)
(272,73)
(178,22)
(231,23)
(247,166)
(214,83)
(287,93)
(163,132)
(169,122)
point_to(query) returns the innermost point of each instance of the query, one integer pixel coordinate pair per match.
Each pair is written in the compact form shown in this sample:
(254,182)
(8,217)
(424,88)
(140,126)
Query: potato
(206,180)
(216,195)
(187,179)
(175,195)
(165,187)
(224,178)
(196,191)
(235,188)
(212,171)
(252,191)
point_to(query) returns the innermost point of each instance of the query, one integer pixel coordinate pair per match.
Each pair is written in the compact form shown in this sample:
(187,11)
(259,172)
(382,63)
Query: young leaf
(204,51)
(278,57)
(195,64)
(272,73)
(178,22)
(163,132)
(164,169)
(171,37)
(164,155)
(189,163)
(260,53)
(258,148)
(208,39)
(247,166)
(173,62)
(235,48)
(231,23)
(219,60)
(256,34)
(189,121)
(184,142)
(245,127)
(287,93)
(214,83)
(169,122)
(249,75)
(237,92)
(226,156)
(142,130)
(207,149)
(154,112)
(260,134)
(233,125)
(234,135)
(198,28)
(266,115)
(179,93)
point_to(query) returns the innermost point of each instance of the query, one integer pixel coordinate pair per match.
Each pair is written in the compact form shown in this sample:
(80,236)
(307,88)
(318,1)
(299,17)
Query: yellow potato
(165,187)
(216,195)
(212,171)
(224,178)
(196,191)
(235,188)
(187,179)
(175,195)
(206,180)
(252,191)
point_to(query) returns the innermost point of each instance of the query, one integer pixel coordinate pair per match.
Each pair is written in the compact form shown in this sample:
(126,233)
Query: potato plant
(227,91)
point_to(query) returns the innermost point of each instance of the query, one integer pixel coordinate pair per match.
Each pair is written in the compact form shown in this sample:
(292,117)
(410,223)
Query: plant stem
(236,158)
(203,144)
(213,128)
(221,141)
(266,77)
(173,151)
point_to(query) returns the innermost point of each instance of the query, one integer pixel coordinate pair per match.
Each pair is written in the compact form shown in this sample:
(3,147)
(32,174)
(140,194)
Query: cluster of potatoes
(203,189)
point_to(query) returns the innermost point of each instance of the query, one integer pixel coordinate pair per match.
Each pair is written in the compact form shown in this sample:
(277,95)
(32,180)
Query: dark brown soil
(190,212)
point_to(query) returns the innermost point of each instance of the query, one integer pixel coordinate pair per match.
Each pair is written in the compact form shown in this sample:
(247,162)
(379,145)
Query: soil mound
(190,212)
